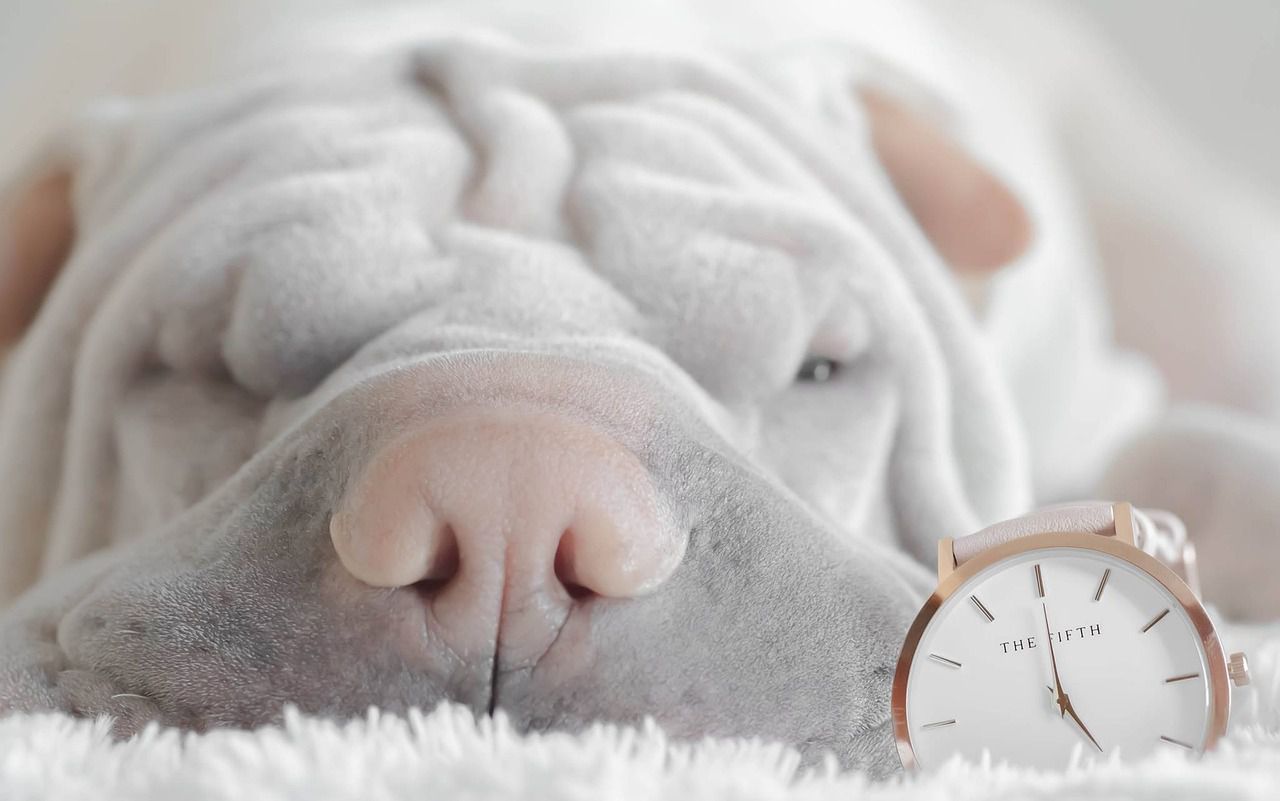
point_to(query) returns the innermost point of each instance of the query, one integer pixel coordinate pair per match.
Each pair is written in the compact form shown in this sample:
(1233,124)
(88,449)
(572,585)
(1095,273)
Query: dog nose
(506,510)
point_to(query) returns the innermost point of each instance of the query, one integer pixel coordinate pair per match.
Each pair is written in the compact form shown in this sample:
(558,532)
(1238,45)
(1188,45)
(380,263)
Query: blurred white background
(1216,65)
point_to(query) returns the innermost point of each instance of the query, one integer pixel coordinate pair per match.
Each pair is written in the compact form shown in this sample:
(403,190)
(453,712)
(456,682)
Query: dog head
(580,386)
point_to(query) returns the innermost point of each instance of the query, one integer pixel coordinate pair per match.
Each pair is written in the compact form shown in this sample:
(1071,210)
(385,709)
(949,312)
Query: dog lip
(528,666)
(424,641)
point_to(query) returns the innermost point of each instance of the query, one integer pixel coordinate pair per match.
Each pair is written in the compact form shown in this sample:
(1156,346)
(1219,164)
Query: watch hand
(1072,712)
(1059,695)
(1064,700)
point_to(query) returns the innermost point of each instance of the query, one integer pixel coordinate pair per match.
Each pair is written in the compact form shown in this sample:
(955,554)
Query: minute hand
(1059,695)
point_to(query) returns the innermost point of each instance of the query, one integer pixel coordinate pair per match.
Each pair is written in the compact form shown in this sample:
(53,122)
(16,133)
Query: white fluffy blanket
(449,754)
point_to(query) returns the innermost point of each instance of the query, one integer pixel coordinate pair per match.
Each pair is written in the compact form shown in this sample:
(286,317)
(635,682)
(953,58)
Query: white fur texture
(448,754)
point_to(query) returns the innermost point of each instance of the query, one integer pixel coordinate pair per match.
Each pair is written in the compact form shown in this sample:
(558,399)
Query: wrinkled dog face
(485,376)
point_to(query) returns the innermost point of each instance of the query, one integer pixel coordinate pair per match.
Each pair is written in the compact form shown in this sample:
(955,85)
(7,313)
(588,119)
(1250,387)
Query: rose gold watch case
(953,579)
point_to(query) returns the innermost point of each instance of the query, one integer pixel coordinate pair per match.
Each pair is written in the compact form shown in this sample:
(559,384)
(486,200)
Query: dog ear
(37,228)
(973,220)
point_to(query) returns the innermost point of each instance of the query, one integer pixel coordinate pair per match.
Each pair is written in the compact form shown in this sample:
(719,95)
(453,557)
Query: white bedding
(448,754)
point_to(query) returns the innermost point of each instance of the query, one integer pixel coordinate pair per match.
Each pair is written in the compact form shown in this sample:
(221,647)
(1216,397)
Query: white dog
(602,362)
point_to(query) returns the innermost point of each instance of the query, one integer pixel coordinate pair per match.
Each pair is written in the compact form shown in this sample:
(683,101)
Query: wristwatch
(1074,631)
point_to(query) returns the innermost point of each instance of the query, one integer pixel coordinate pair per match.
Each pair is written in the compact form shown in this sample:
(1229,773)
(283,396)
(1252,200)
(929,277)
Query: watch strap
(1155,531)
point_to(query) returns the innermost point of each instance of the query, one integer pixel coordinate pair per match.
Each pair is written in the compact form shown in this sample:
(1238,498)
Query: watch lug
(946,558)
(1123,513)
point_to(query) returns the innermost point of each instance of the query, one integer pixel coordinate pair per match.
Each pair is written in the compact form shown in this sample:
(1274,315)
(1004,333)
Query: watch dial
(1054,650)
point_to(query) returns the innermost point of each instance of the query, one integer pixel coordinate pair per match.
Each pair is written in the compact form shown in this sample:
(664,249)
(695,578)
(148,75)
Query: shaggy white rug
(449,754)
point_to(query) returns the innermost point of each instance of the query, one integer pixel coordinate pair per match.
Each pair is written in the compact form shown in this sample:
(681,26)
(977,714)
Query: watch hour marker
(1182,678)
(1154,621)
(981,608)
(1172,741)
(1102,585)
(1039,582)
(942,659)
(939,724)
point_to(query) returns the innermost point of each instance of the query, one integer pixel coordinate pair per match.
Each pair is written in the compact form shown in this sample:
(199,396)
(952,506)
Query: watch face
(1055,650)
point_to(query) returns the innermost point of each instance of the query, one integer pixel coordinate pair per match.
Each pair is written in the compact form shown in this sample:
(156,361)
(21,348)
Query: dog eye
(817,369)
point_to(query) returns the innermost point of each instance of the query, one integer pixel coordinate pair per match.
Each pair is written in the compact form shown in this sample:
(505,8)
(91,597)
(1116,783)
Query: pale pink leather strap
(1157,532)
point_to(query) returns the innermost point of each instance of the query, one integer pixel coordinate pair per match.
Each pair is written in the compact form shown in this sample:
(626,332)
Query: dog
(573,379)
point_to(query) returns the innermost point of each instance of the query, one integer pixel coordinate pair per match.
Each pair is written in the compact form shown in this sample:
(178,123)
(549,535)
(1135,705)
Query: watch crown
(1238,669)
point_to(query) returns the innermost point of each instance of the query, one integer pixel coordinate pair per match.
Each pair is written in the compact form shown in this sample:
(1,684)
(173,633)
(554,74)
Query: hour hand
(1072,712)
(1064,703)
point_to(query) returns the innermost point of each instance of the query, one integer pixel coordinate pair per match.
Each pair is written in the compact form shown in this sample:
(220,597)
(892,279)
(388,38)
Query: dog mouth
(536,694)
(562,650)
